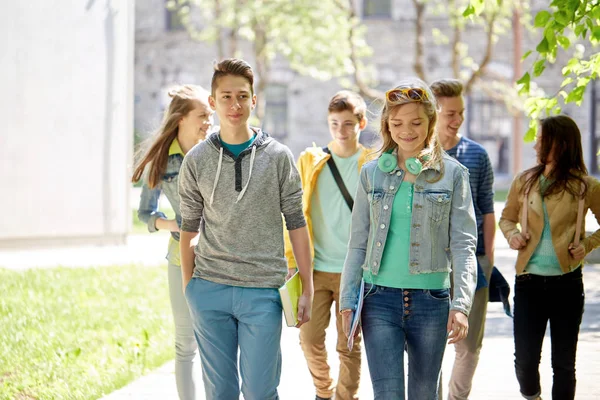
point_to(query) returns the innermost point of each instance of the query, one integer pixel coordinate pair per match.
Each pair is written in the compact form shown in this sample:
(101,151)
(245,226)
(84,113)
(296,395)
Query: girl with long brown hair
(550,201)
(186,122)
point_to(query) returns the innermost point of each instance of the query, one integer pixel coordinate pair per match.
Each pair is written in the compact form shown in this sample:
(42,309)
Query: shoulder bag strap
(338,179)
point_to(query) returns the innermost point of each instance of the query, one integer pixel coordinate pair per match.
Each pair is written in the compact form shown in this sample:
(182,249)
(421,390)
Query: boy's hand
(304,308)
(291,272)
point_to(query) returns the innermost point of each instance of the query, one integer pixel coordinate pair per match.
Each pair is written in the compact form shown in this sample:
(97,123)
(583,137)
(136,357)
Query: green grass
(140,227)
(81,333)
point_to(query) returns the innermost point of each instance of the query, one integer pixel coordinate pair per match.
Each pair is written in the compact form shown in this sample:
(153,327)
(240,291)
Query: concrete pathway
(495,377)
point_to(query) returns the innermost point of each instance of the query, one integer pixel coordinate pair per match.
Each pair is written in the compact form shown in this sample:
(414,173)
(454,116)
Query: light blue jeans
(227,318)
(397,319)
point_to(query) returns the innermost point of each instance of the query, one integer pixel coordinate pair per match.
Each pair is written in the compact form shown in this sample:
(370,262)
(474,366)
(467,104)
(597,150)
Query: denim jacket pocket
(375,200)
(170,177)
(438,205)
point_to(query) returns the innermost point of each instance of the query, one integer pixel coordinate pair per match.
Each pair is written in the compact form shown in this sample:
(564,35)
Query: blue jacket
(148,209)
(443,234)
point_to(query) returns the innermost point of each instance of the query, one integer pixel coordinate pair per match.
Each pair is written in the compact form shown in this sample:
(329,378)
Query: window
(377,8)
(275,121)
(489,123)
(594,128)
(173,19)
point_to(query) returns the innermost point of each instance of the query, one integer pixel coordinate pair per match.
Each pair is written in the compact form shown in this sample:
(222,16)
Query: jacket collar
(175,148)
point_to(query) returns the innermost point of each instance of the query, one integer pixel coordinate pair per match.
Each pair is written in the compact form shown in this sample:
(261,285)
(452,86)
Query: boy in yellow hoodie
(329,181)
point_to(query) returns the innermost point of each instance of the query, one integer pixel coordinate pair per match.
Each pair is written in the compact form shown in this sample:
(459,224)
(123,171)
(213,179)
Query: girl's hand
(578,253)
(518,240)
(458,326)
(347,321)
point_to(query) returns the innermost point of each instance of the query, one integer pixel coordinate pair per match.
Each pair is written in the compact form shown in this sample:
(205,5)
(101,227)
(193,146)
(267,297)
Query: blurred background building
(67,121)
(296,105)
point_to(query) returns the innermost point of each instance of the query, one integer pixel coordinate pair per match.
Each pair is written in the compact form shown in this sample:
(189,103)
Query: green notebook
(290,293)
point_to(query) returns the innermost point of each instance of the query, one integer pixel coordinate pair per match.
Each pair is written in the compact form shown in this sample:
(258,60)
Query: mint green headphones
(388,162)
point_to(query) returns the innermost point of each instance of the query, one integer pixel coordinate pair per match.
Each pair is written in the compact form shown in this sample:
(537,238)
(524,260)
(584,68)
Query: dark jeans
(397,319)
(538,299)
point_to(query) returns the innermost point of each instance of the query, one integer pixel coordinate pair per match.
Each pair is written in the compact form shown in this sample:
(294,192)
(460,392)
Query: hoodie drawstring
(212,195)
(249,173)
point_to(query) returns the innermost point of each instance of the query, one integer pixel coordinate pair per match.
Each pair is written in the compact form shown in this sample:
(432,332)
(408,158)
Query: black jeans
(538,299)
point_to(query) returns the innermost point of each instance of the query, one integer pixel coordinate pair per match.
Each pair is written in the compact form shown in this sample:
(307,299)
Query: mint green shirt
(331,216)
(394,271)
(543,261)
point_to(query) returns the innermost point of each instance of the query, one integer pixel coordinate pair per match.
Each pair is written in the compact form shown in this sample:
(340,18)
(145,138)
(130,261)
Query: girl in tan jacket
(549,201)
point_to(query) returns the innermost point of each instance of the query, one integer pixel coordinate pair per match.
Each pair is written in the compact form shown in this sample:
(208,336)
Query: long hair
(431,155)
(560,138)
(183,99)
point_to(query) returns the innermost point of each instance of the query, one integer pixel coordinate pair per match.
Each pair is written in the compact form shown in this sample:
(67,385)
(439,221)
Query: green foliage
(81,333)
(570,25)
(312,35)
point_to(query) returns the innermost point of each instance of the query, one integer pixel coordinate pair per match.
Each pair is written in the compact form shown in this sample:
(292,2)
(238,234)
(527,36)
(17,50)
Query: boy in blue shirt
(448,93)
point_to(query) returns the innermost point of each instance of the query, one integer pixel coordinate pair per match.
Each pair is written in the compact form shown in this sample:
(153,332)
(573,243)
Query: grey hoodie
(236,204)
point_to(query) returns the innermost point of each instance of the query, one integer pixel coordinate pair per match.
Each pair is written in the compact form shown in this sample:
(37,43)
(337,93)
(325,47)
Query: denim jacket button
(378,244)
(391,187)
(440,200)
(382,226)
(385,207)
(374,263)
(398,173)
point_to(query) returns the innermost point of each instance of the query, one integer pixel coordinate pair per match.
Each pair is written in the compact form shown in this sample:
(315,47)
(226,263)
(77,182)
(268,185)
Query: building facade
(296,106)
(67,116)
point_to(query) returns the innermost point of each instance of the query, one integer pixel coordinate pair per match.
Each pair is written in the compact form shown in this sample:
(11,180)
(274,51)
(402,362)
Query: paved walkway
(495,375)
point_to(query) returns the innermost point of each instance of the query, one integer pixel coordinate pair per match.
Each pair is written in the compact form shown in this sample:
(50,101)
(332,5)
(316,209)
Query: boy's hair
(347,100)
(447,88)
(235,67)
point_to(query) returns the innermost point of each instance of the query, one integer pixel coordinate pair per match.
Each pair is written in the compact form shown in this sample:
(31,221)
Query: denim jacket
(148,210)
(443,229)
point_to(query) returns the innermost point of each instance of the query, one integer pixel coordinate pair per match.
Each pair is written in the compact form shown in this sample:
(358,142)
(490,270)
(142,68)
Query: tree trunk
(262,69)
(419,39)
(363,88)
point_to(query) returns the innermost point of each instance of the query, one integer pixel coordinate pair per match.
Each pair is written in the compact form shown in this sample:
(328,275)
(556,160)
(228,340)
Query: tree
(494,19)
(310,34)
(567,26)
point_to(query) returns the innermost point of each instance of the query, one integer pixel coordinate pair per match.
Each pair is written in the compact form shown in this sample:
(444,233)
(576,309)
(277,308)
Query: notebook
(290,293)
(356,315)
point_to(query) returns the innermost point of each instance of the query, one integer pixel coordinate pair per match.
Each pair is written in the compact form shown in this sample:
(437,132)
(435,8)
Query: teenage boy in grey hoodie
(234,187)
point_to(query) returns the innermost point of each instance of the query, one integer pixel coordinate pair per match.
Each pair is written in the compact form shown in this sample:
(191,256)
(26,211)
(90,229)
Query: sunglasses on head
(412,94)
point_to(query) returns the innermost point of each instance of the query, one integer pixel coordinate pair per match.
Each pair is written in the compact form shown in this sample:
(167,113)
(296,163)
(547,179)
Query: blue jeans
(397,319)
(227,318)
(539,299)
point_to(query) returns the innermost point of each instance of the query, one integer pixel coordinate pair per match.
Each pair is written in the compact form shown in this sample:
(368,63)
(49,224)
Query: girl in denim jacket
(185,123)
(413,218)
(547,200)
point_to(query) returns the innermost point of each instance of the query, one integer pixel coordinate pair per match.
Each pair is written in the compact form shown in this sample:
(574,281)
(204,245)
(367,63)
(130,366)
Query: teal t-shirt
(394,271)
(331,216)
(543,261)
(236,149)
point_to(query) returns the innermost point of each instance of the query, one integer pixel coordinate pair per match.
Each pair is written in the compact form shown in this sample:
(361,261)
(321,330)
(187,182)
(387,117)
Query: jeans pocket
(439,294)
(370,289)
